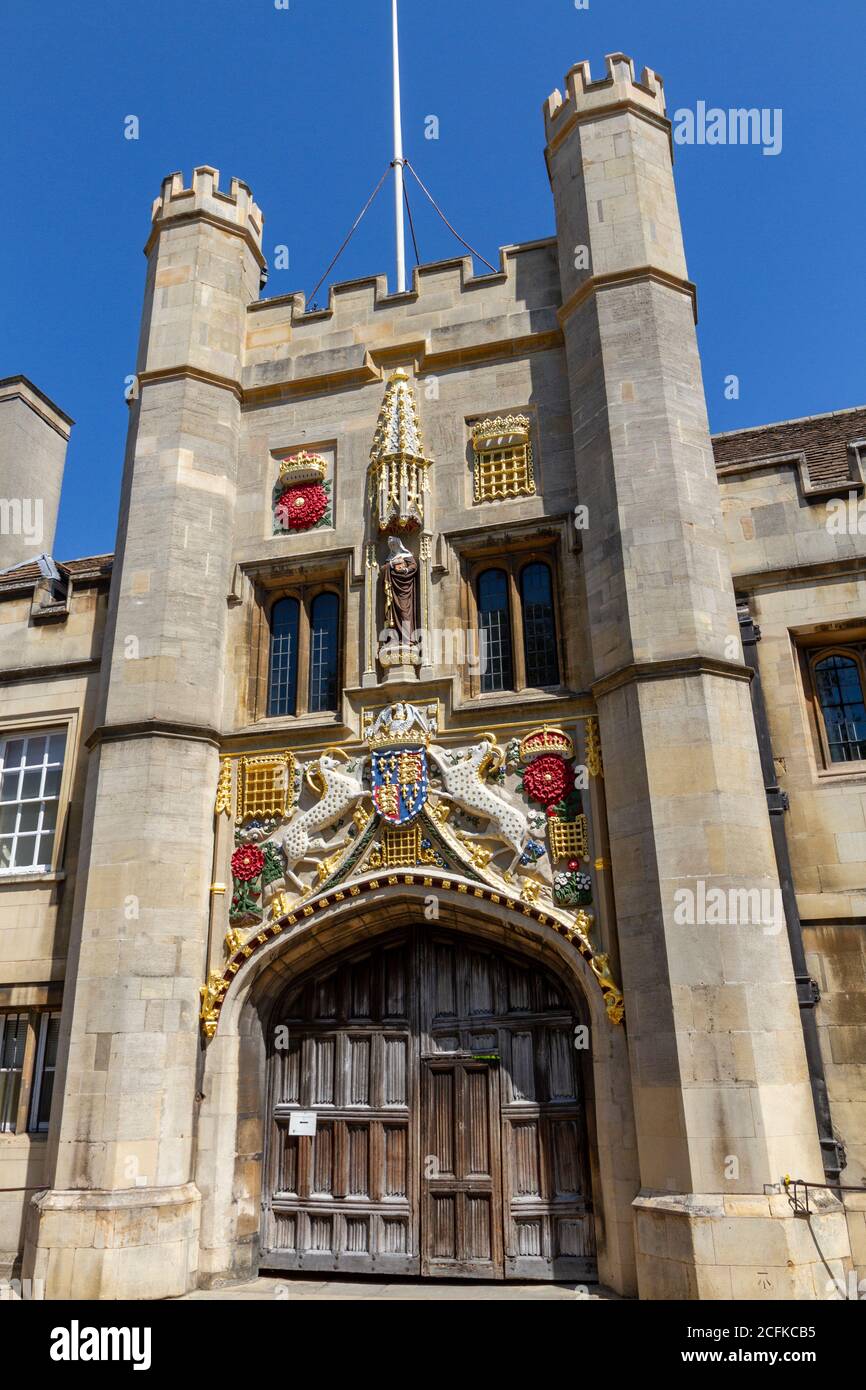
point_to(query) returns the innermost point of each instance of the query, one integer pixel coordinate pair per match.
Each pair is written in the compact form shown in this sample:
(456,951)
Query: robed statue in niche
(401,591)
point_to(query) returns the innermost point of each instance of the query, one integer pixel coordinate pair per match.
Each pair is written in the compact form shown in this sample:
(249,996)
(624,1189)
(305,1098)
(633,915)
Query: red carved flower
(302,507)
(548,779)
(247,863)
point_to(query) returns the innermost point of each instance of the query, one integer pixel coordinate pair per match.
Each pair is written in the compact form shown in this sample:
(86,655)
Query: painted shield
(399,782)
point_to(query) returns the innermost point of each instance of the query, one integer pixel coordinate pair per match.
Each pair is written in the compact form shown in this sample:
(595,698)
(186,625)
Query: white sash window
(31,769)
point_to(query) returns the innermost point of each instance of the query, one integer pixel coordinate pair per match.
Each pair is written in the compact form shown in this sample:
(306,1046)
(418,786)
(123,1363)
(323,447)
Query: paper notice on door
(302,1122)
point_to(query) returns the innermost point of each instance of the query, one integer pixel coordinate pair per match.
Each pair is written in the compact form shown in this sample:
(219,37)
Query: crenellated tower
(141,913)
(719,1073)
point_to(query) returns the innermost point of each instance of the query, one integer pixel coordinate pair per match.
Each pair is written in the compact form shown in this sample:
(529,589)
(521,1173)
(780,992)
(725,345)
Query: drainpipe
(808,993)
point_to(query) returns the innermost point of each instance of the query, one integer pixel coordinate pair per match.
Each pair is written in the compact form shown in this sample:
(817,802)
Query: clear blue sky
(297,103)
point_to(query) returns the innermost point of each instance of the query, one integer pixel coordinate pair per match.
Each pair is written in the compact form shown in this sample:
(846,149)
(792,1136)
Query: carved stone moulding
(574,930)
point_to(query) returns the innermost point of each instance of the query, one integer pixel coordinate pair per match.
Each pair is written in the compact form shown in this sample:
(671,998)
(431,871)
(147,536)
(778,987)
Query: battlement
(584,95)
(447,280)
(448,315)
(204,197)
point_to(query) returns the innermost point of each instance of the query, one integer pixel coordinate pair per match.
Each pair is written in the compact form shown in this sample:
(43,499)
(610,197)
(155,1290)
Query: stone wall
(803,578)
(34,429)
(48,677)
(477,347)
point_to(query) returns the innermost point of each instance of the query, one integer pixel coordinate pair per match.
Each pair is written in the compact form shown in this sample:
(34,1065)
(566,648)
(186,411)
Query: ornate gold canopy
(399,467)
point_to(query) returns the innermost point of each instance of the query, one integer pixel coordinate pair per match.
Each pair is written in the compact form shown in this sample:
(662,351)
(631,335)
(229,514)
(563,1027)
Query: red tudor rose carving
(548,780)
(247,863)
(302,507)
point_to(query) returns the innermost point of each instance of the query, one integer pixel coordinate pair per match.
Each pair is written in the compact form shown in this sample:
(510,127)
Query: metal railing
(800,1205)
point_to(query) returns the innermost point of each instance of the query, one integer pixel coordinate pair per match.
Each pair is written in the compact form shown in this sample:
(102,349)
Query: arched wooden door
(450,1129)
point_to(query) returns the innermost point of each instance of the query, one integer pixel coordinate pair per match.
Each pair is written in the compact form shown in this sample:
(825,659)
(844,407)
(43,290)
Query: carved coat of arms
(398,760)
(400,782)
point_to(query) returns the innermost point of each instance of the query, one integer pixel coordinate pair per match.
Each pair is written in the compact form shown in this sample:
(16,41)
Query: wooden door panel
(395,1071)
(359,1069)
(477,1162)
(429,1156)
(441,1236)
(284,1163)
(357,1160)
(481,1217)
(322,1161)
(286,1068)
(481,984)
(319,1070)
(549,1229)
(461,1219)
(346,1198)
(559,1054)
(565,1134)
(397,1148)
(524,1159)
(520,1083)
(439,1148)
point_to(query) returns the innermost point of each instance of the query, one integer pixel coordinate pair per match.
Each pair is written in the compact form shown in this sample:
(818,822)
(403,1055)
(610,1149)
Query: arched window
(494,632)
(840,695)
(324,652)
(539,625)
(283,680)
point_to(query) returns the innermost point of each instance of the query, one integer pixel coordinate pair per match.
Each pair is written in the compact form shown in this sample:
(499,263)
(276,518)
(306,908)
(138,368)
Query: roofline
(21,380)
(796,420)
(89,567)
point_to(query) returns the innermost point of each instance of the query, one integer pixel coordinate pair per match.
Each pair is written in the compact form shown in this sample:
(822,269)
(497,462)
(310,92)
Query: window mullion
(28,1072)
(515,609)
(823,731)
(302,703)
(471,619)
(558,624)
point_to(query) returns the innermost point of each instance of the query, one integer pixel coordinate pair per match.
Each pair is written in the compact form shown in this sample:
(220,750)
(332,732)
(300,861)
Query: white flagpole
(398,156)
